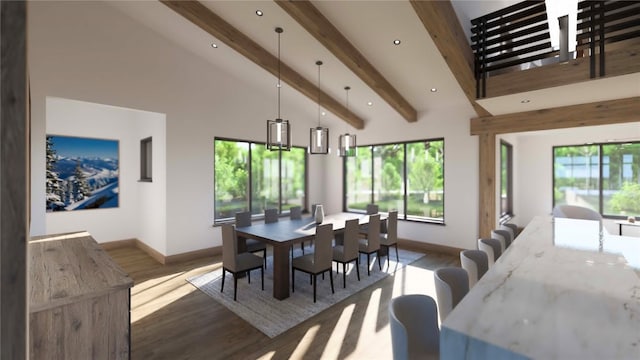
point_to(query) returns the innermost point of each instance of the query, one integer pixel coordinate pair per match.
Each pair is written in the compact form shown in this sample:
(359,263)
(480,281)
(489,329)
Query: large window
(248,176)
(603,177)
(408,177)
(506,180)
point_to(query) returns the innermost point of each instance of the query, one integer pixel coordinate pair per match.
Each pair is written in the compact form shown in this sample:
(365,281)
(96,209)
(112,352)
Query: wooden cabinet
(79,300)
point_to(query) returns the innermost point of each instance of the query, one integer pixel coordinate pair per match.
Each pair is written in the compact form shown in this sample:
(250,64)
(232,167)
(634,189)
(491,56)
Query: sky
(67,146)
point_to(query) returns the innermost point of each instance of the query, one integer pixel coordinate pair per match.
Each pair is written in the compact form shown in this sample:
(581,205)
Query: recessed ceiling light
(324,113)
(369,103)
(259,12)
(396,42)
(433,90)
(525,101)
(214,45)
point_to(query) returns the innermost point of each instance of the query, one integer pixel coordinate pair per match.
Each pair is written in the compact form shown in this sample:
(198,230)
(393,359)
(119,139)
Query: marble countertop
(565,289)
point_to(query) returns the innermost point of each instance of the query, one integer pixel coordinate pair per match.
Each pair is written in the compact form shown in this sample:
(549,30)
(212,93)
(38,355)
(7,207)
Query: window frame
(404,216)
(600,172)
(219,221)
(506,214)
(146,159)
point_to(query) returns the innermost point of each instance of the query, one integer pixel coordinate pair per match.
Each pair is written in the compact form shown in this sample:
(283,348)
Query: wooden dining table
(281,235)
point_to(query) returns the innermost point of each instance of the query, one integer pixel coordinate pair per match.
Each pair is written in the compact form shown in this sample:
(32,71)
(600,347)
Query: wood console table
(79,300)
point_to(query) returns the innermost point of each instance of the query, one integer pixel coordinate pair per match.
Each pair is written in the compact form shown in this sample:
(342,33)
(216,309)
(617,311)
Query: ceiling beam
(596,113)
(213,24)
(441,22)
(310,18)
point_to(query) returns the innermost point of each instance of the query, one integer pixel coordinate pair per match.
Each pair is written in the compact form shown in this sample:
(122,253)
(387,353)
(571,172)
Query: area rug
(272,316)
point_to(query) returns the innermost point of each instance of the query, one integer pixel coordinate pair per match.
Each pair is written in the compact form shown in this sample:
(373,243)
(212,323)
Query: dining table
(281,235)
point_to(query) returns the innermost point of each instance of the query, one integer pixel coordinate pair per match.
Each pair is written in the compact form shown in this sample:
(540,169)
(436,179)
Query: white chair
(414,327)
(476,262)
(390,238)
(452,284)
(237,263)
(492,247)
(575,212)
(317,263)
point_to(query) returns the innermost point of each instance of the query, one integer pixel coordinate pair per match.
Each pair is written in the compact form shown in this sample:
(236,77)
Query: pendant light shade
(278,130)
(347,142)
(319,136)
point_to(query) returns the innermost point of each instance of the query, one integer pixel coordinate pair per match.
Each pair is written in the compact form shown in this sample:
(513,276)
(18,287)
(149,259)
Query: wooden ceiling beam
(441,22)
(591,114)
(310,18)
(213,24)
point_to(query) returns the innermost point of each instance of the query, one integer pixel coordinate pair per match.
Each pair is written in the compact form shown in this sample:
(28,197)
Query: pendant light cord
(319,63)
(279,31)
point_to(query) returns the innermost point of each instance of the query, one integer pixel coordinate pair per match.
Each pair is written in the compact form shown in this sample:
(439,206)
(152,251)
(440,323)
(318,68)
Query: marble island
(565,289)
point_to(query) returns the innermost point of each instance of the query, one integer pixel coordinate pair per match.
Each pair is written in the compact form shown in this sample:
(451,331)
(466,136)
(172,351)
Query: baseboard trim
(157,256)
(428,247)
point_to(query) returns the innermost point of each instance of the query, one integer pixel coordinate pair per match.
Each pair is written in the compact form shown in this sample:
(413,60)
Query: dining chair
(390,238)
(452,284)
(476,262)
(371,244)
(317,263)
(413,320)
(253,246)
(270,216)
(513,227)
(492,248)
(348,251)
(371,210)
(508,229)
(295,212)
(237,263)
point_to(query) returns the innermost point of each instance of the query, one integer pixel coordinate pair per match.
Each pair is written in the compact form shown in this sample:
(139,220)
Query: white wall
(83,119)
(534,165)
(91,52)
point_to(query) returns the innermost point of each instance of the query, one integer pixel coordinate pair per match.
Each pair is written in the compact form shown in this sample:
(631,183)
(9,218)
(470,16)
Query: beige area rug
(272,316)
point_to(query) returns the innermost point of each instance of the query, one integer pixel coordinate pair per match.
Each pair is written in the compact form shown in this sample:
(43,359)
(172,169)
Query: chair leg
(264,255)
(249,276)
(368,261)
(315,281)
(388,256)
(344,275)
(293,280)
(235,286)
(302,247)
(262,276)
(223,273)
(331,279)
(378,256)
(358,267)
(397,258)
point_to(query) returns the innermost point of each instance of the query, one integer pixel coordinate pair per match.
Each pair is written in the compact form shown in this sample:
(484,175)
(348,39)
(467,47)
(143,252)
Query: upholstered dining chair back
(452,284)
(323,250)
(229,246)
(414,327)
(492,247)
(509,230)
(270,216)
(351,239)
(295,212)
(372,209)
(243,218)
(392,226)
(503,236)
(513,227)
(476,262)
(373,233)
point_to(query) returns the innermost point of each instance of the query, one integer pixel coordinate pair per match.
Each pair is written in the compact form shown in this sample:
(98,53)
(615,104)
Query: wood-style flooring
(171,319)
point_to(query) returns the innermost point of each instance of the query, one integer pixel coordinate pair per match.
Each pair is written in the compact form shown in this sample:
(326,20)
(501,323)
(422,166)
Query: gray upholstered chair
(295,212)
(371,244)
(270,216)
(317,263)
(390,238)
(237,263)
(513,227)
(575,212)
(371,210)
(348,251)
(452,284)
(414,327)
(503,236)
(492,247)
(509,230)
(253,246)
(476,262)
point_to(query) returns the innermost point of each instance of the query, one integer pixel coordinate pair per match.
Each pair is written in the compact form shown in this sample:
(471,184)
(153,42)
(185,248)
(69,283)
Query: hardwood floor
(171,319)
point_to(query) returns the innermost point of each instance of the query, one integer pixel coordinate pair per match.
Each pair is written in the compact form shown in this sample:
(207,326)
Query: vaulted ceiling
(355,41)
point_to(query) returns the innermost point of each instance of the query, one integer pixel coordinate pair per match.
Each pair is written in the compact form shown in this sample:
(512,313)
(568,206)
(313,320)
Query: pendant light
(347,142)
(319,136)
(278,130)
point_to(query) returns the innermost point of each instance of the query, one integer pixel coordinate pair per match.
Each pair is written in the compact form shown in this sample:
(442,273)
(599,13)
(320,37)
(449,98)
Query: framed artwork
(82,173)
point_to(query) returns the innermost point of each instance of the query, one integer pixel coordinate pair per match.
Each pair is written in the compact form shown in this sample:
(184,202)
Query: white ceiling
(413,67)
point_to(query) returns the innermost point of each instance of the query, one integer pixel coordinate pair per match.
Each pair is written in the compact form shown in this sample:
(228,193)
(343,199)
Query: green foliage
(390,178)
(627,200)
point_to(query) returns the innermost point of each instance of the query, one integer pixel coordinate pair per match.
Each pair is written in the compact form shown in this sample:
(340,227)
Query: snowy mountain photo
(82,173)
